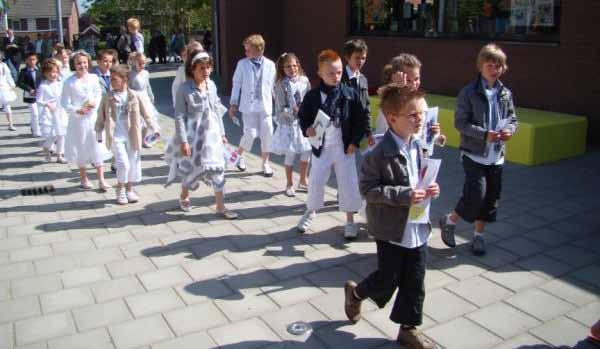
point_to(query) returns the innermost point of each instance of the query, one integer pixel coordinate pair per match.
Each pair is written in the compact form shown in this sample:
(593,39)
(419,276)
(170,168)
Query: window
(24,26)
(18,24)
(501,20)
(54,23)
(42,24)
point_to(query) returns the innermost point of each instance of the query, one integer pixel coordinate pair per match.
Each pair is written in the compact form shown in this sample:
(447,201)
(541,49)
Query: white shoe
(267,170)
(306,221)
(48,156)
(241,165)
(350,231)
(121,197)
(132,197)
(289,191)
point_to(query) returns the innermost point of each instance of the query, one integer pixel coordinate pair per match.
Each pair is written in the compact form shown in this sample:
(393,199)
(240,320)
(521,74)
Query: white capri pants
(127,162)
(7,108)
(34,119)
(290,157)
(257,124)
(59,141)
(347,179)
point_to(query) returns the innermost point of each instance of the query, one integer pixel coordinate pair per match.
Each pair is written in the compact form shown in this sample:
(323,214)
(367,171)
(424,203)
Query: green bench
(542,136)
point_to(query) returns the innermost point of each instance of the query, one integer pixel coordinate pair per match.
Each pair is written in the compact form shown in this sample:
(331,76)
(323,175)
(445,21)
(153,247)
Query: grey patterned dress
(198,121)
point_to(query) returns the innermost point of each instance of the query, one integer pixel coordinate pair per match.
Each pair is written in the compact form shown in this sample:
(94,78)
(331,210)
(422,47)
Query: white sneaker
(350,231)
(306,221)
(121,197)
(267,170)
(48,156)
(241,165)
(132,197)
(289,191)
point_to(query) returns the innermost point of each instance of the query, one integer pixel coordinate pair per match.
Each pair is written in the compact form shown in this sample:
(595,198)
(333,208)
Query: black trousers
(481,191)
(401,268)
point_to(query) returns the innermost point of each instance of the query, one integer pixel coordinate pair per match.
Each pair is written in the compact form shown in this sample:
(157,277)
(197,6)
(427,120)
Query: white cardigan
(243,85)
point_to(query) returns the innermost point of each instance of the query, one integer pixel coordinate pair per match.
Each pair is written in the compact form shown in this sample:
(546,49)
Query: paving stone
(380,319)
(4,291)
(213,248)
(15,243)
(84,276)
(245,304)
(6,336)
(460,267)
(348,336)
(73,247)
(179,256)
(290,267)
(441,305)
(43,328)
(521,246)
(435,279)
(153,232)
(561,331)
(544,266)
(587,314)
(96,339)
(164,278)
(286,293)
(115,289)
(540,304)
(195,318)
(48,238)
(496,257)
(30,253)
(101,315)
(503,320)
(35,286)
(479,291)
(251,334)
(248,278)
(205,269)
(279,320)
(513,278)
(249,259)
(202,291)
(573,255)
(462,333)
(135,249)
(571,290)
(331,305)
(192,341)
(130,266)
(113,239)
(16,270)
(33,346)
(153,302)
(56,264)
(65,300)
(19,308)
(522,341)
(332,279)
(140,332)
(588,274)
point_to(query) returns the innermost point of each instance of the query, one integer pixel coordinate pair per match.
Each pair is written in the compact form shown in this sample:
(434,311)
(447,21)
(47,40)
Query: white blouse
(77,91)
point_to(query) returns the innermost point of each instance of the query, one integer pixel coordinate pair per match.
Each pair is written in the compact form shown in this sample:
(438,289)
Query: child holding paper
(405,69)
(485,117)
(389,177)
(347,125)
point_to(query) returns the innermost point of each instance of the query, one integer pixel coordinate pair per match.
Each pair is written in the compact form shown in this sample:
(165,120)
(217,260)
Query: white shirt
(333,135)
(415,234)
(351,74)
(121,134)
(76,91)
(493,157)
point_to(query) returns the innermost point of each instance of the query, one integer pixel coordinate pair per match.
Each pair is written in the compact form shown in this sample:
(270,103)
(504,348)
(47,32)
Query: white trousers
(59,141)
(7,109)
(34,119)
(290,157)
(257,124)
(347,179)
(127,162)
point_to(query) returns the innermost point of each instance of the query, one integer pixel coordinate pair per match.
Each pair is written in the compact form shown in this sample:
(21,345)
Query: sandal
(289,191)
(103,187)
(86,185)
(185,205)
(227,214)
(302,187)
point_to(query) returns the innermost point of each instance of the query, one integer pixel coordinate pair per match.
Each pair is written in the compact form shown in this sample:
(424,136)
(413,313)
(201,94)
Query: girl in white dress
(290,87)
(53,119)
(80,98)
(139,80)
(62,55)
(7,93)
(196,153)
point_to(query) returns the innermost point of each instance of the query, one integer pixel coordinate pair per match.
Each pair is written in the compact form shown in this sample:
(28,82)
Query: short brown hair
(283,60)
(327,56)
(81,53)
(256,41)
(190,64)
(355,45)
(492,53)
(405,61)
(121,70)
(48,65)
(105,52)
(394,97)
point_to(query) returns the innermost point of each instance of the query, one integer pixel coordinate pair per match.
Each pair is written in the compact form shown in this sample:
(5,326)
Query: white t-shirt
(121,134)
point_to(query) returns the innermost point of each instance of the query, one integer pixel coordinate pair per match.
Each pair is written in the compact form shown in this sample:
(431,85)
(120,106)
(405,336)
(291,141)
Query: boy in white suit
(252,94)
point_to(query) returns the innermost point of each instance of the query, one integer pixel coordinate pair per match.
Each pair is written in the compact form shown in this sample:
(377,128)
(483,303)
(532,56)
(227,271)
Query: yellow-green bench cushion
(542,136)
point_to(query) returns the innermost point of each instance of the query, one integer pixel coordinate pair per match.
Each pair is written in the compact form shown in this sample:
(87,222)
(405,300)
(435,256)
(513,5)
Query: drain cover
(299,328)
(47,189)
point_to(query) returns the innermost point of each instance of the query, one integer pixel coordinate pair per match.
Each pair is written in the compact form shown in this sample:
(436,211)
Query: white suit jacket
(243,85)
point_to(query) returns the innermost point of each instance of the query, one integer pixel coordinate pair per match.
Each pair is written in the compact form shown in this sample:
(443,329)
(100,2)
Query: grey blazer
(385,185)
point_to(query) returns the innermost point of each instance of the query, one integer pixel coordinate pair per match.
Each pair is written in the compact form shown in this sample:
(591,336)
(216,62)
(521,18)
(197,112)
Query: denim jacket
(472,115)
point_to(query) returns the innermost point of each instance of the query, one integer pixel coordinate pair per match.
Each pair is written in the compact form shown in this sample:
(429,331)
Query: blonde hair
(394,97)
(256,41)
(492,53)
(133,23)
(121,70)
(133,58)
(48,65)
(81,53)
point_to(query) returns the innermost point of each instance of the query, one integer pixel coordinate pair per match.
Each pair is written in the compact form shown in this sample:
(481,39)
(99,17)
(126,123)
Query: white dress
(81,144)
(288,137)
(52,123)
(65,73)
(140,81)
(7,85)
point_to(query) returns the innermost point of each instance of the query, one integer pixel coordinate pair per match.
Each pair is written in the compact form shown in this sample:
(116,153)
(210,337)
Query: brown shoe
(351,304)
(412,339)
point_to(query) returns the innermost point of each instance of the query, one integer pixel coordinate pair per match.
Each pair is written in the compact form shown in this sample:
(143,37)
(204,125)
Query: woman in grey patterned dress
(196,153)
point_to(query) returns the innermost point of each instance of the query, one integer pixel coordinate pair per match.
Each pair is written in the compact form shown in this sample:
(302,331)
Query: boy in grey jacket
(485,117)
(388,179)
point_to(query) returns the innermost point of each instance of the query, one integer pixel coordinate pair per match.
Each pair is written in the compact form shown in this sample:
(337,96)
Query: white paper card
(419,213)
(320,125)
(428,136)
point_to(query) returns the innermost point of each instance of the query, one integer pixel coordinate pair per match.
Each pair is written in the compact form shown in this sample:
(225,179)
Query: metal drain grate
(47,189)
